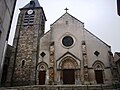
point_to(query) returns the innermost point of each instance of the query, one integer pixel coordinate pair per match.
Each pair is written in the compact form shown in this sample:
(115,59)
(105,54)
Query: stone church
(66,54)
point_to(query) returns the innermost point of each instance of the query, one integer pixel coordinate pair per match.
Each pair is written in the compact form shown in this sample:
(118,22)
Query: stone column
(77,77)
(51,69)
(85,63)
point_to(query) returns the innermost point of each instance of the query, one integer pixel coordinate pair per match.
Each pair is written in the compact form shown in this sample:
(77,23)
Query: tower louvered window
(29,19)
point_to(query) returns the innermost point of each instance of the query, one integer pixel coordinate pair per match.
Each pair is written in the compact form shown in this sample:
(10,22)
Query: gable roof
(35,4)
(118,53)
(69,15)
(97,38)
(69,54)
(84,28)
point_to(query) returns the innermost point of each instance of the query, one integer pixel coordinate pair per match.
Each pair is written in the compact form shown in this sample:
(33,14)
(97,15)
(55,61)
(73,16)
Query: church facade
(66,54)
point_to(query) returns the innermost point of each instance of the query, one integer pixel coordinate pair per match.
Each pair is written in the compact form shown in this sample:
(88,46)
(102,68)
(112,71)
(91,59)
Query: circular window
(67,41)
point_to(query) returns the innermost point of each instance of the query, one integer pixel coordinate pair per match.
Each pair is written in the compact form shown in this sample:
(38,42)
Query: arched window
(22,63)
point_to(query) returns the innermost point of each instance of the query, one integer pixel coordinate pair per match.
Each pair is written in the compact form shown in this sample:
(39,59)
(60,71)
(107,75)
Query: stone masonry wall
(22,69)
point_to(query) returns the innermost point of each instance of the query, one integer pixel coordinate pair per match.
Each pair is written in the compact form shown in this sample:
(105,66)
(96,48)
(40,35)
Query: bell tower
(30,28)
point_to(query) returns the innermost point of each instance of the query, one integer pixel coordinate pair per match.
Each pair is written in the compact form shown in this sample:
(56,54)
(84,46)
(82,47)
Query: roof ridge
(32,4)
(69,15)
(97,37)
(118,53)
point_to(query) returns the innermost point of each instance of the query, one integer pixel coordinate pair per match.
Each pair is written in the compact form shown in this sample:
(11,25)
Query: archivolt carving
(68,63)
(42,66)
(98,65)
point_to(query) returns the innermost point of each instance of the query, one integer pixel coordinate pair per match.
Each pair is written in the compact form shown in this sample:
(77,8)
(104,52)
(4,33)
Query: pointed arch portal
(68,74)
(42,69)
(98,69)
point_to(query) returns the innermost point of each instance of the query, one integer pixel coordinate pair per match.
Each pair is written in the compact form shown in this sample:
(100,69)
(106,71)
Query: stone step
(62,87)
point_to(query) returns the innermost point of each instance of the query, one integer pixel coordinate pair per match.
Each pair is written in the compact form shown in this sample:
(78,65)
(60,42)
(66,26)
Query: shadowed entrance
(42,77)
(99,76)
(68,76)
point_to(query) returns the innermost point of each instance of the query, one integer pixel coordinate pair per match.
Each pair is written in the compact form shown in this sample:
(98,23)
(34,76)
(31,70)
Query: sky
(99,17)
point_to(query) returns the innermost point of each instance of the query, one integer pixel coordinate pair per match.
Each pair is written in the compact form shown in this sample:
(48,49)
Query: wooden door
(99,76)
(42,75)
(68,76)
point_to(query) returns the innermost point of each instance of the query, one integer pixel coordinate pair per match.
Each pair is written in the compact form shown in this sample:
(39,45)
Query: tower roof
(32,4)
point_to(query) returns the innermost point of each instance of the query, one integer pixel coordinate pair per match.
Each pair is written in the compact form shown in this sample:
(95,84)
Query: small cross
(66,9)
